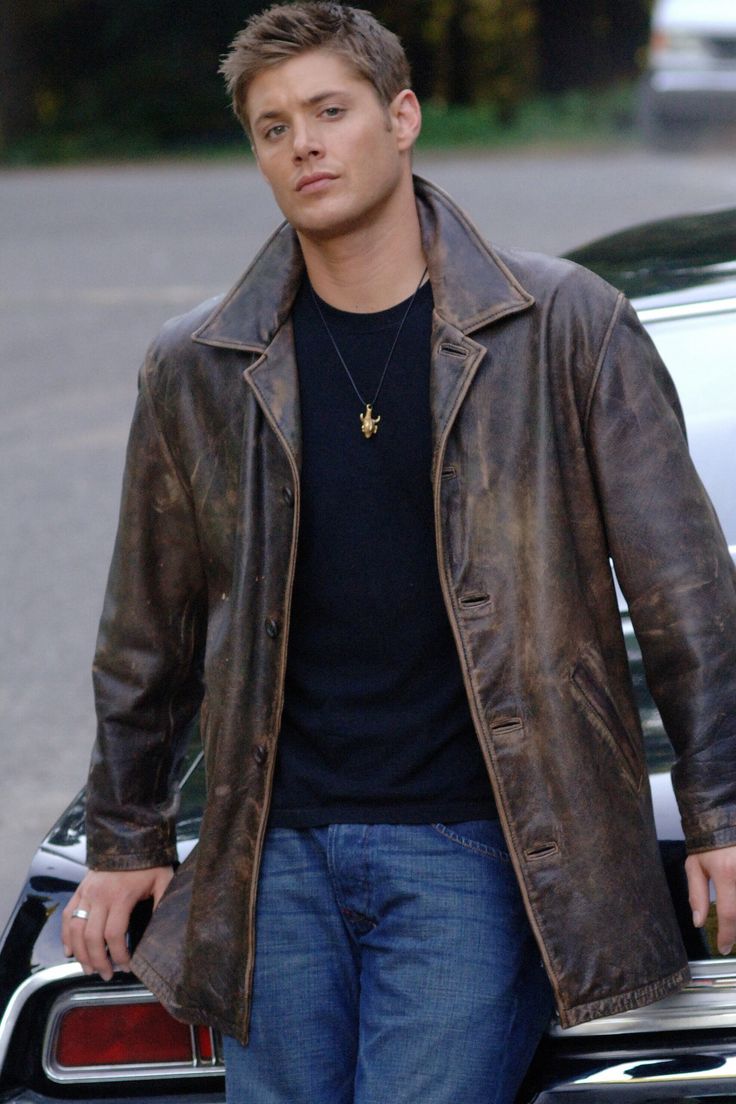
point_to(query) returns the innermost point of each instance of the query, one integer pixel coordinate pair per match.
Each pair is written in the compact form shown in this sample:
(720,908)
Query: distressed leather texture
(558,442)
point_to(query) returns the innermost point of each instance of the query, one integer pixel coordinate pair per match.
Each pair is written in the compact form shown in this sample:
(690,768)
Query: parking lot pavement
(93,260)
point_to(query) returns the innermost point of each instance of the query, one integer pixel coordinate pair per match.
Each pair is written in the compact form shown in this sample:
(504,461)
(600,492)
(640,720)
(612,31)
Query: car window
(700,352)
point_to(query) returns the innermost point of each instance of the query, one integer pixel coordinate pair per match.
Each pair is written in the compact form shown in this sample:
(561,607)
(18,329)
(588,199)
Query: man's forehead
(306,79)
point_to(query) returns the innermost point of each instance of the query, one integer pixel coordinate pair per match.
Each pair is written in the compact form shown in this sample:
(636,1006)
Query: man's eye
(275,131)
(332,112)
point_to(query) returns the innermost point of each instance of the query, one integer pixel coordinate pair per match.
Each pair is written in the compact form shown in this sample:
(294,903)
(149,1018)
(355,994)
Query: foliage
(576,115)
(84,76)
(467,51)
(140,68)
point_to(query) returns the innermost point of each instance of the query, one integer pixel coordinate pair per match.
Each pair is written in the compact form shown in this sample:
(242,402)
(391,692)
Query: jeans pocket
(484,837)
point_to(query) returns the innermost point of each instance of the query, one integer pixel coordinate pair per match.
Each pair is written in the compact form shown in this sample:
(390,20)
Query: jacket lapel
(455,360)
(258,306)
(471,286)
(274,379)
(472,289)
(255,318)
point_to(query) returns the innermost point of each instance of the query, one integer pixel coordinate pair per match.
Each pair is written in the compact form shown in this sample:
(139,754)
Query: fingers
(84,938)
(697,885)
(118,920)
(72,927)
(90,949)
(722,869)
(726,909)
(107,898)
(718,866)
(66,917)
(98,940)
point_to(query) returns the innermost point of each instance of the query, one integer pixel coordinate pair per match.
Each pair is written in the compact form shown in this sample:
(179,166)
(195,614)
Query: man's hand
(108,898)
(718,866)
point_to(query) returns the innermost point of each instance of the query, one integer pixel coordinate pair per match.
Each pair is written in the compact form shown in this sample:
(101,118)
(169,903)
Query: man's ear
(406,118)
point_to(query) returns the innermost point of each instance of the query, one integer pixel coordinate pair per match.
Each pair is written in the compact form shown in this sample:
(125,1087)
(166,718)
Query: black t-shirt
(376,725)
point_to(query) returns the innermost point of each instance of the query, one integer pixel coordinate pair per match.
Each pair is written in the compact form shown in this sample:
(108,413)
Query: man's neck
(368,269)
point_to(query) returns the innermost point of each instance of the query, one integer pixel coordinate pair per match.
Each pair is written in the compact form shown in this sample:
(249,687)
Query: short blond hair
(284,31)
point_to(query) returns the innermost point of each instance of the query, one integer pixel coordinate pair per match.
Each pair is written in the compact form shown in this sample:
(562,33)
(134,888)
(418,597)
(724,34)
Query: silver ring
(81,914)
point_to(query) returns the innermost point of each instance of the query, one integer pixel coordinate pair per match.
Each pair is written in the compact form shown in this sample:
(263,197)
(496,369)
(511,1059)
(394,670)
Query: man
(459,786)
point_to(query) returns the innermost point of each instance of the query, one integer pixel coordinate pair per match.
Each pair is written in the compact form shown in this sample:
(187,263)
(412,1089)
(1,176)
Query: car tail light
(664,44)
(659,42)
(123,1034)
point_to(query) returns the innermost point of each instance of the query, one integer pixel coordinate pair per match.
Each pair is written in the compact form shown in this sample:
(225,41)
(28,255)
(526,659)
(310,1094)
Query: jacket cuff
(710,841)
(111,860)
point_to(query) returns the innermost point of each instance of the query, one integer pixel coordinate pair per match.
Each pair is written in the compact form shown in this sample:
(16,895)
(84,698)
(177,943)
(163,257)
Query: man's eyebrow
(318,96)
(311,101)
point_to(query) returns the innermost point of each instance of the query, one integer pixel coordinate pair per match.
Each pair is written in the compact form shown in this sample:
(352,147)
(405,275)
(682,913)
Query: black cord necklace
(368,423)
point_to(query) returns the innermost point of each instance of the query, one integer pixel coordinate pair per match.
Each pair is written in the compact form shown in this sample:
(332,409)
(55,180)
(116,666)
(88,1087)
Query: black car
(67,1036)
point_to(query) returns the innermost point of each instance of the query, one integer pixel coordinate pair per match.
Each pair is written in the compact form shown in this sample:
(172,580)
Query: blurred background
(127,195)
(100,78)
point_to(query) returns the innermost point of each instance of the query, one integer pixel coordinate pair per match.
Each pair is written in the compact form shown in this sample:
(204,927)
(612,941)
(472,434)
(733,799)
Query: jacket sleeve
(675,570)
(146,679)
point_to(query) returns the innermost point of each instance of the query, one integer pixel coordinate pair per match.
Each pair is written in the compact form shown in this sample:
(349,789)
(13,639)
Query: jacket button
(272,627)
(260,754)
(287,495)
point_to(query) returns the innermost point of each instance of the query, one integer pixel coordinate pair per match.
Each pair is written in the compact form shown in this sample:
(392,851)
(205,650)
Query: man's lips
(314,182)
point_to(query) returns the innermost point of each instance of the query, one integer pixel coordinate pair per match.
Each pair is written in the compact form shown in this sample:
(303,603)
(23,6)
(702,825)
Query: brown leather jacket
(557,443)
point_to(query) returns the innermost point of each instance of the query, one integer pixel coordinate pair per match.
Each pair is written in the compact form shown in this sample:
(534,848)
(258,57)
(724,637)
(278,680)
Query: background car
(690,80)
(65,1035)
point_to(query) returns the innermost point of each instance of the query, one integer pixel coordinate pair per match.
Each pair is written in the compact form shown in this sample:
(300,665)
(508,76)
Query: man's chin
(320,235)
(324,226)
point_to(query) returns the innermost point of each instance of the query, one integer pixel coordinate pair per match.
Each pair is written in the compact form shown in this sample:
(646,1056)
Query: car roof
(716,16)
(687,258)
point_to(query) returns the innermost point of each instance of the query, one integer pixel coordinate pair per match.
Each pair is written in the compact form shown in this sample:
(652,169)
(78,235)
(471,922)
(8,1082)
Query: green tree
(112,71)
(100,72)
(467,51)
(501,63)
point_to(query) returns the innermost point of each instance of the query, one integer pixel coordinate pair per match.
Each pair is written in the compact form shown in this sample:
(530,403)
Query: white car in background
(690,79)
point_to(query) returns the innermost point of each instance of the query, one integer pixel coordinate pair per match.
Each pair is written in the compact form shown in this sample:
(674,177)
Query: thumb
(160,886)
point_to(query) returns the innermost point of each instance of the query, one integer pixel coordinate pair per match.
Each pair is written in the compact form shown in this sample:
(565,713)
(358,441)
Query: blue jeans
(394,963)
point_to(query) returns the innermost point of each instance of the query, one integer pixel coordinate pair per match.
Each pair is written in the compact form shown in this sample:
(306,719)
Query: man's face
(332,153)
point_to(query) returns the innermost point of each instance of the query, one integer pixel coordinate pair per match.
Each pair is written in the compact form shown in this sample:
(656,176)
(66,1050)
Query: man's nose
(305,143)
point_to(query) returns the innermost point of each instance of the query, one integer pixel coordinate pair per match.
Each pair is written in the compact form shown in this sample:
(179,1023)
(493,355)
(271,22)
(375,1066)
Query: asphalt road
(92,262)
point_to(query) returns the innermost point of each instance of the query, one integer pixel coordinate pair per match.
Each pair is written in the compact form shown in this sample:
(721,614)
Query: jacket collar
(471,285)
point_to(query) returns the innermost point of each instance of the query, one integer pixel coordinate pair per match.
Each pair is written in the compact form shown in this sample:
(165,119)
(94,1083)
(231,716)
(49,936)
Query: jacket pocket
(607,724)
(482,837)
